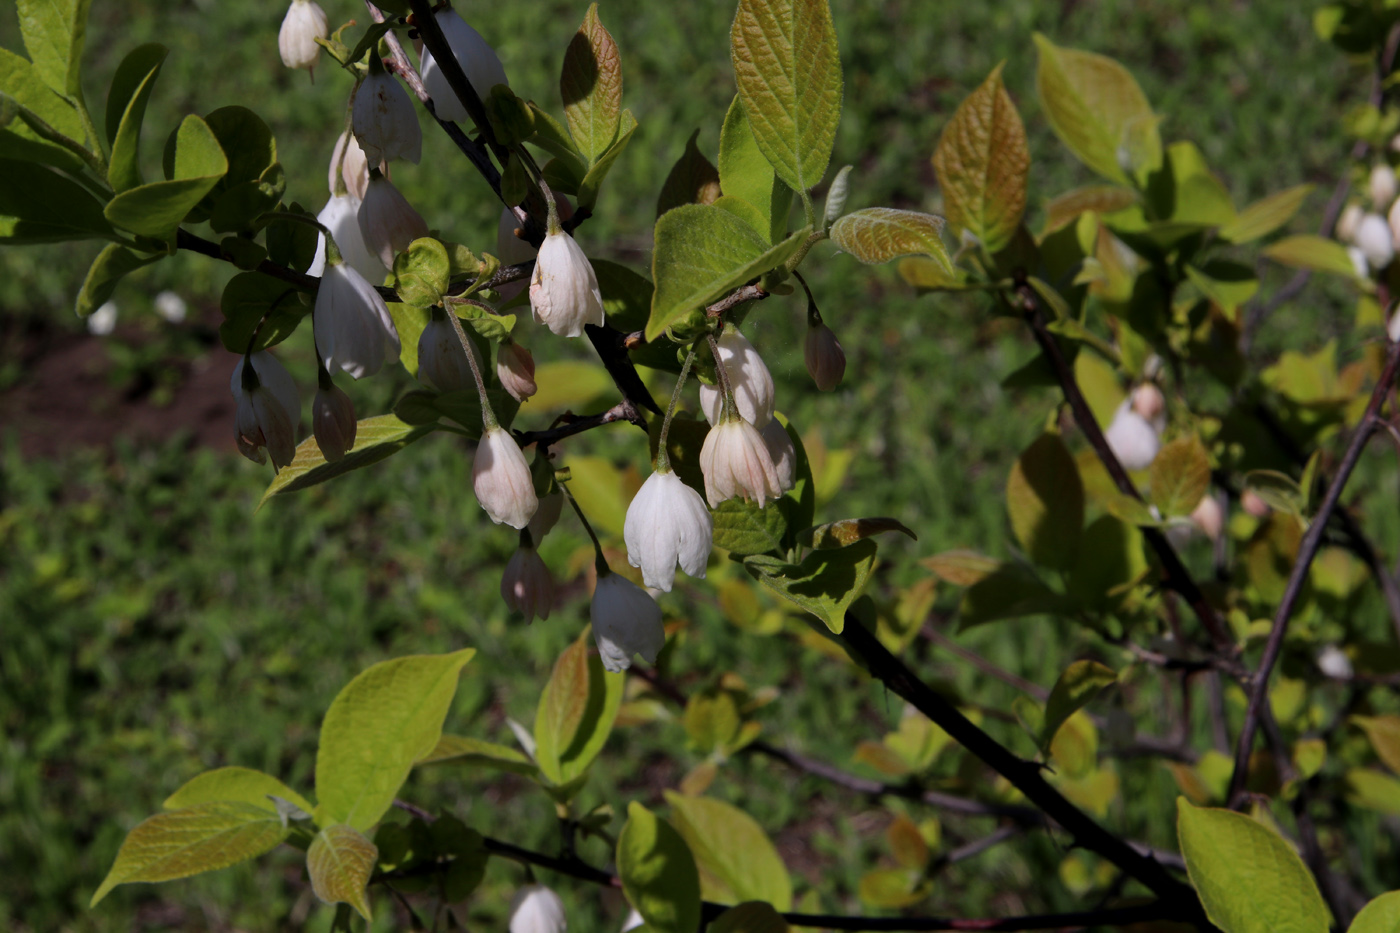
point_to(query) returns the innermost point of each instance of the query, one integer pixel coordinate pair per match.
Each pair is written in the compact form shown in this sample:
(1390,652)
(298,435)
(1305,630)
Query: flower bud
(103,321)
(1382,186)
(351,323)
(564,293)
(1149,402)
(1254,504)
(480,62)
(536,909)
(1209,517)
(826,361)
(501,479)
(1132,438)
(527,586)
(170,306)
(1373,238)
(385,122)
(736,462)
(341,217)
(626,621)
(515,368)
(667,524)
(304,23)
(442,366)
(546,516)
(1334,663)
(748,377)
(350,167)
(268,408)
(388,222)
(1348,222)
(782,451)
(333,421)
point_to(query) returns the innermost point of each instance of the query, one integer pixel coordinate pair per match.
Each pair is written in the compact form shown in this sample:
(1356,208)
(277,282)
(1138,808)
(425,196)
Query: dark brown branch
(1307,550)
(612,350)
(572,424)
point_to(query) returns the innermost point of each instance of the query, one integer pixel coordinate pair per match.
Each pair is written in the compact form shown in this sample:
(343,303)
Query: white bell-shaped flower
(626,621)
(349,166)
(783,453)
(1393,220)
(341,217)
(501,479)
(515,368)
(667,524)
(268,408)
(736,462)
(480,62)
(351,323)
(1132,438)
(388,222)
(546,516)
(442,366)
(527,586)
(748,377)
(333,421)
(564,293)
(1382,186)
(1373,239)
(825,359)
(385,121)
(1348,222)
(304,23)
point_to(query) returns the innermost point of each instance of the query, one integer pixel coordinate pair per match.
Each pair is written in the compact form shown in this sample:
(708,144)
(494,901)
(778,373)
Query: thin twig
(624,410)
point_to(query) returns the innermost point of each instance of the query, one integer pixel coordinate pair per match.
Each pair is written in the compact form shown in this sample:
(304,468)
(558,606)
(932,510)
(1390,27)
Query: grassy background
(154,627)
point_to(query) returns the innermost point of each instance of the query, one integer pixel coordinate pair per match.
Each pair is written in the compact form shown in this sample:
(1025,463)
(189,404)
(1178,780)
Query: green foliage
(735,858)
(825,582)
(1080,683)
(1045,500)
(878,234)
(576,713)
(340,861)
(658,872)
(591,85)
(375,438)
(1382,915)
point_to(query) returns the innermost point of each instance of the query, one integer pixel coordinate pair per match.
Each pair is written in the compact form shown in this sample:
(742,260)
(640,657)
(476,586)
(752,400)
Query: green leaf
(1008,593)
(626,295)
(1279,491)
(53,32)
(19,80)
(553,138)
(246,142)
(658,872)
(1307,251)
(982,162)
(593,178)
(692,180)
(702,253)
(1249,879)
(1382,915)
(378,726)
(750,917)
(157,209)
(576,713)
(712,721)
(1080,683)
(421,272)
(742,528)
(1179,476)
(591,85)
(849,531)
(825,583)
(126,109)
(1228,284)
(745,174)
(105,272)
(1045,500)
(236,785)
(1111,561)
(879,234)
(931,275)
(253,303)
(340,862)
(962,567)
(38,205)
(736,859)
(192,840)
(1384,733)
(375,439)
(1097,109)
(1101,199)
(1266,215)
(459,748)
(789,75)
(1373,791)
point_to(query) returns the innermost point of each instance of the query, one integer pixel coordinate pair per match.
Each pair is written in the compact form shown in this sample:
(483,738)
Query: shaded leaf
(576,712)
(1179,476)
(1101,199)
(591,85)
(375,439)
(340,862)
(114,262)
(750,917)
(38,205)
(126,109)
(962,568)
(466,750)
(692,180)
(658,872)
(1045,500)
(1384,733)
(825,583)
(849,531)
(1076,686)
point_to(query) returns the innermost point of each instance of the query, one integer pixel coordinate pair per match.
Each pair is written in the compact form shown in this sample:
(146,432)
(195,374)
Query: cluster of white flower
(1373,235)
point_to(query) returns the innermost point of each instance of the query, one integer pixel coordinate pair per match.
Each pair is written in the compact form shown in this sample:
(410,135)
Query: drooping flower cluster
(1372,235)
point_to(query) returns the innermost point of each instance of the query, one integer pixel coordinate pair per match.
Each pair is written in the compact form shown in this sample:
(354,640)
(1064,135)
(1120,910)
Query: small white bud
(304,23)
(1334,663)
(526,585)
(626,621)
(633,921)
(103,321)
(351,323)
(267,411)
(341,217)
(749,378)
(1209,517)
(385,121)
(501,479)
(667,524)
(564,293)
(782,451)
(1382,186)
(1132,438)
(736,462)
(1348,222)
(1373,238)
(480,62)
(442,366)
(171,307)
(333,422)
(537,909)
(515,368)
(388,222)
(826,361)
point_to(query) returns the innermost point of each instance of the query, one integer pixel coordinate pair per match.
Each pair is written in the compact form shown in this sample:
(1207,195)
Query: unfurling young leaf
(878,234)
(340,862)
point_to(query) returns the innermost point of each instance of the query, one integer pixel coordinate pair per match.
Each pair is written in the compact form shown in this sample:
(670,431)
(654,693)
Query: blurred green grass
(155,627)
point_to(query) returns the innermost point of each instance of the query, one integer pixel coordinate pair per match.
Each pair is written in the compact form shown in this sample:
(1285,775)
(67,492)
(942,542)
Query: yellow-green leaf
(375,438)
(1101,199)
(1373,790)
(1180,476)
(1384,733)
(1308,251)
(54,33)
(1265,216)
(736,860)
(461,748)
(591,85)
(658,872)
(878,234)
(1080,683)
(576,712)
(340,862)
(1382,915)
(1045,500)
(242,785)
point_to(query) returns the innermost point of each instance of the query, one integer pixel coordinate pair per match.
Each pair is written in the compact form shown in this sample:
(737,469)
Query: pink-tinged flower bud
(1254,504)
(385,122)
(564,293)
(1149,402)
(736,462)
(826,361)
(501,478)
(268,408)
(515,367)
(442,366)
(348,159)
(1132,438)
(782,451)
(546,516)
(333,421)
(667,524)
(527,586)
(748,377)
(388,222)
(341,217)
(351,323)
(304,23)
(1382,186)
(1348,222)
(1209,517)
(1373,238)
(626,621)
(480,62)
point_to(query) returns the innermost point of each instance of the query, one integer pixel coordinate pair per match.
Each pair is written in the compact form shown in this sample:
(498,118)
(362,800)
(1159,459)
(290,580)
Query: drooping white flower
(442,366)
(526,585)
(171,307)
(348,159)
(268,408)
(501,479)
(825,359)
(1373,239)
(782,451)
(736,462)
(1382,186)
(304,23)
(385,121)
(333,421)
(1149,402)
(546,516)
(515,367)
(341,217)
(480,62)
(748,377)
(351,323)
(626,621)
(1132,438)
(103,321)
(537,909)
(1348,222)
(667,524)
(388,222)
(1208,517)
(564,293)
(1334,663)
